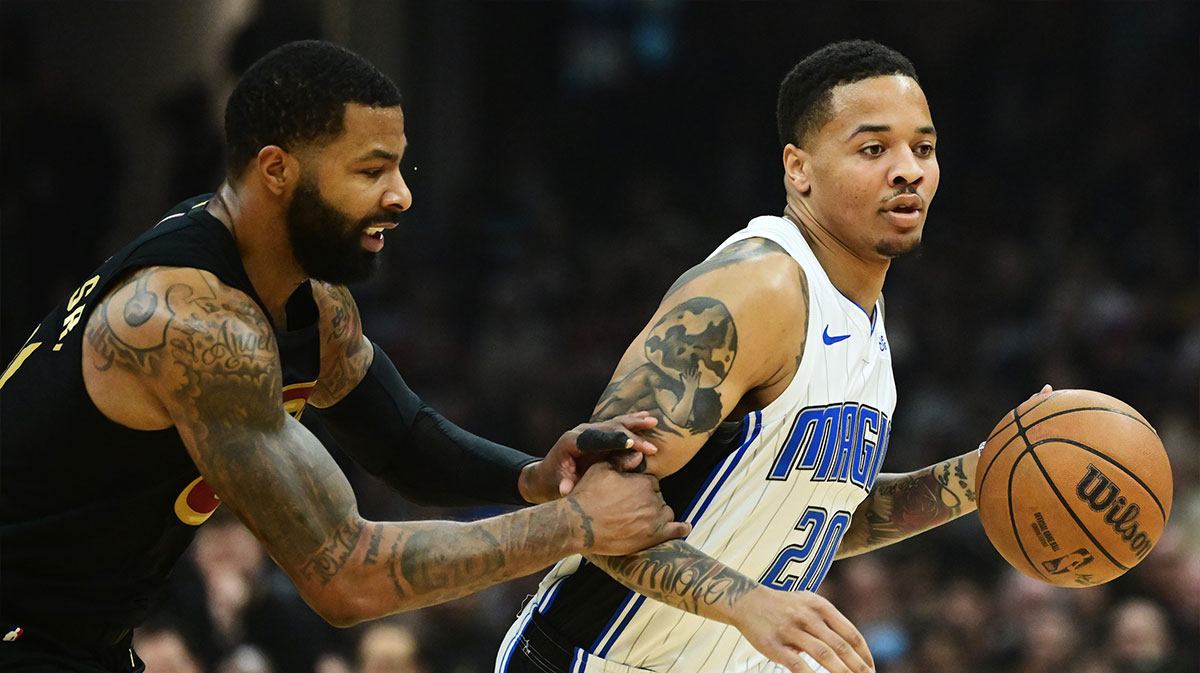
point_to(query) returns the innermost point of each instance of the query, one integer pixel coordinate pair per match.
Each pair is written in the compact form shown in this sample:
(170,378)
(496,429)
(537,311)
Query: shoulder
(154,311)
(345,351)
(199,346)
(338,309)
(754,273)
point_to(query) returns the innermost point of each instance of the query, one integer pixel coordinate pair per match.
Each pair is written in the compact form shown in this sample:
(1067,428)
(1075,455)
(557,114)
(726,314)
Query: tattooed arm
(727,338)
(206,354)
(903,505)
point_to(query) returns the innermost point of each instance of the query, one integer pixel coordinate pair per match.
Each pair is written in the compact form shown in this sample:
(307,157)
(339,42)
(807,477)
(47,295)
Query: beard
(326,242)
(894,249)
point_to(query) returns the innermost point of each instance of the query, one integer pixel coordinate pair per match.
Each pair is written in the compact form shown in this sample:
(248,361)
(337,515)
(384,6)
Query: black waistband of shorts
(86,636)
(547,643)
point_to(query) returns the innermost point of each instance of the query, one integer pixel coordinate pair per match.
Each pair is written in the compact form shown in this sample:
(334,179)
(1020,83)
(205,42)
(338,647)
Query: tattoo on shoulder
(215,350)
(728,256)
(342,329)
(688,353)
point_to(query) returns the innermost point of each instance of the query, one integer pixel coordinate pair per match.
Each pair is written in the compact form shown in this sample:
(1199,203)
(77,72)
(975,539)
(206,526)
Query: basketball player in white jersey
(769,369)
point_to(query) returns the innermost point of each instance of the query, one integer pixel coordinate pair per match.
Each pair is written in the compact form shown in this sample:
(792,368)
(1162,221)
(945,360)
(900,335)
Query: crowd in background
(602,148)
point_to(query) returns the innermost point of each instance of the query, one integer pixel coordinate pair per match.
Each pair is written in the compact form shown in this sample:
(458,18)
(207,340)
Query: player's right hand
(625,512)
(782,624)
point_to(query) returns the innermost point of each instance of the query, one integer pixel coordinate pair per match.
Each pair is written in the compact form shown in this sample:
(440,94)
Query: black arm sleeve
(387,429)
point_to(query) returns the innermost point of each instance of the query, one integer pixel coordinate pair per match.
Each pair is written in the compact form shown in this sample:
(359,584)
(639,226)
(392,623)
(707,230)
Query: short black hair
(296,95)
(805,93)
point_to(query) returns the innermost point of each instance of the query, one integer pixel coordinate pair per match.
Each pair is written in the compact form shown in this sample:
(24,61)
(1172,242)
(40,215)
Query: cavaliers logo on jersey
(296,396)
(197,501)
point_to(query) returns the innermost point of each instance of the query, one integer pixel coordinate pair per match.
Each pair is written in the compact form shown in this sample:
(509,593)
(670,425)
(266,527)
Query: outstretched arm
(207,354)
(903,505)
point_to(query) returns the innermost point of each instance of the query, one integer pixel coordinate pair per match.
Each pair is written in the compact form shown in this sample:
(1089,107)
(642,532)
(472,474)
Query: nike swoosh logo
(831,340)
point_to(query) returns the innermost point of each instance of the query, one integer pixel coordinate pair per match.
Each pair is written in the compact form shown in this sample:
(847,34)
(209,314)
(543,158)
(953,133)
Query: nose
(907,170)
(397,196)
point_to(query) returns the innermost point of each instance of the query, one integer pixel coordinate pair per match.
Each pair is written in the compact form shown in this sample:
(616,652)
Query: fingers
(846,634)
(1046,390)
(594,440)
(675,530)
(787,657)
(836,656)
(628,461)
(636,422)
(644,446)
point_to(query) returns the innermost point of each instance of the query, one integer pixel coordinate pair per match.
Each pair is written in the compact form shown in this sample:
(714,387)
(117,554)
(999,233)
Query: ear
(796,168)
(277,168)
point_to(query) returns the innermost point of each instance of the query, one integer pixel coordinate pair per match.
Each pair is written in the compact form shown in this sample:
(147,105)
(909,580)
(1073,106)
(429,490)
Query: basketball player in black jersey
(170,382)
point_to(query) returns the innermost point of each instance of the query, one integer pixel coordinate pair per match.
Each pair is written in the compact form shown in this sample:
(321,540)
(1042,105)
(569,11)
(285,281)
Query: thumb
(676,529)
(565,487)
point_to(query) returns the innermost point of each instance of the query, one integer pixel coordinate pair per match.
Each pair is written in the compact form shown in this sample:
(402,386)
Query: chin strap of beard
(395,436)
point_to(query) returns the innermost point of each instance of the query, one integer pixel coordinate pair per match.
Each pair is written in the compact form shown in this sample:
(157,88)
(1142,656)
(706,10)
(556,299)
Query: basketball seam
(1161,510)
(1011,514)
(1020,433)
(1071,512)
(1014,413)
(1108,409)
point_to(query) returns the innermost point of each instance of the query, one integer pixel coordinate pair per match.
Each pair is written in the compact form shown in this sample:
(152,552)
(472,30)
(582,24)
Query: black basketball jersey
(93,515)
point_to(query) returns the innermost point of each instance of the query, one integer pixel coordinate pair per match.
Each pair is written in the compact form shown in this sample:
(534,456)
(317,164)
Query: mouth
(905,209)
(372,237)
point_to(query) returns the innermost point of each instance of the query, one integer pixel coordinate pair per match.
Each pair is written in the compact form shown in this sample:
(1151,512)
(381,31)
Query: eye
(925,150)
(872,150)
(372,172)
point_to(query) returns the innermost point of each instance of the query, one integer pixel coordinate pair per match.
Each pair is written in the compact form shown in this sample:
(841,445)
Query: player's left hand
(614,440)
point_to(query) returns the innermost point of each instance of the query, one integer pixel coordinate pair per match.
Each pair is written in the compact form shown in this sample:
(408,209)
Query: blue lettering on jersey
(822,535)
(840,443)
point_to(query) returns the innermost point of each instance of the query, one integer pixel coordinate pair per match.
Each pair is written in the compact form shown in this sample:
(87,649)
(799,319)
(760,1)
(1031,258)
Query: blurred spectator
(245,659)
(605,145)
(1141,641)
(164,651)
(388,647)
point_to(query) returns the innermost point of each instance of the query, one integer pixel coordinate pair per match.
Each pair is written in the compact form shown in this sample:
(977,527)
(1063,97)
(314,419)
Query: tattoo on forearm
(688,354)
(372,555)
(677,574)
(585,522)
(330,558)
(429,564)
(911,504)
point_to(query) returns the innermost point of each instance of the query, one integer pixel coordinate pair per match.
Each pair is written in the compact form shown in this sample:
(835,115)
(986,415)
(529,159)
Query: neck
(854,274)
(258,228)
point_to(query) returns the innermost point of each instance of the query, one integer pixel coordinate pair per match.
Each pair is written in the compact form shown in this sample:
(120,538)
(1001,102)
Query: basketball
(1074,487)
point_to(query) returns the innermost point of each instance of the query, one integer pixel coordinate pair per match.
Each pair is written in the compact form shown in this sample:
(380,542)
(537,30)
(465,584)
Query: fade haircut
(806,92)
(296,95)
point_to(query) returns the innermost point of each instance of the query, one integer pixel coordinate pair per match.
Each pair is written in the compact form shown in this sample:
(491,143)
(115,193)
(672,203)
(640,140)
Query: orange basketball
(1074,487)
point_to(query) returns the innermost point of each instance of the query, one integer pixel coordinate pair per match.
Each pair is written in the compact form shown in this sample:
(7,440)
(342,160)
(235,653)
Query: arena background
(568,161)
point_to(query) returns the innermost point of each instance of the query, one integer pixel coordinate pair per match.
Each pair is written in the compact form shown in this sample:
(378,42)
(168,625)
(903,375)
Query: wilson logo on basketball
(1100,493)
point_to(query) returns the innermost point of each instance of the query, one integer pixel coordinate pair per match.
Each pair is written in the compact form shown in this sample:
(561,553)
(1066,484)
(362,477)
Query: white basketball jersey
(776,507)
